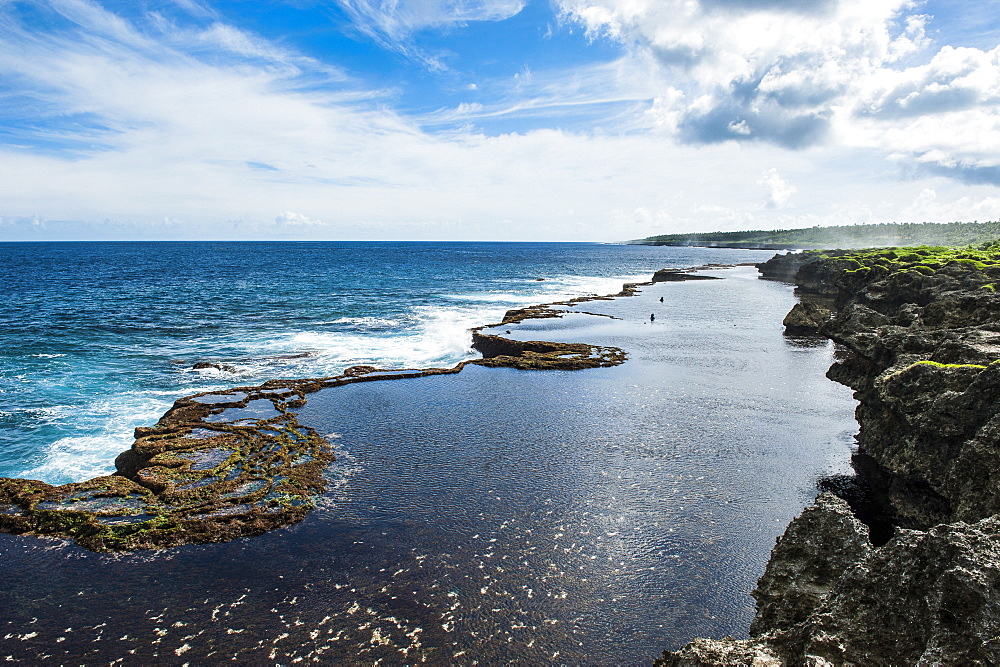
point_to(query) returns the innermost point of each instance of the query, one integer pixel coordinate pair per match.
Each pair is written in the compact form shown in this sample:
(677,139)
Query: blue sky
(596,120)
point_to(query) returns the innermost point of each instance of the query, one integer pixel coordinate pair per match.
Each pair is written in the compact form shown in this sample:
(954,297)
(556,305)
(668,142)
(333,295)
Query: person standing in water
(652,317)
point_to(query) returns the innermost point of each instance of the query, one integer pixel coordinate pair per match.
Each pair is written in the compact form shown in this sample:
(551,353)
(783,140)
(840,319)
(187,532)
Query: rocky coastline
(900,563)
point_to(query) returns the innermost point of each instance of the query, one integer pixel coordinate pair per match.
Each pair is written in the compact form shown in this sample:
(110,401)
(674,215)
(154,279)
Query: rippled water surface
(496,515)
(98,338)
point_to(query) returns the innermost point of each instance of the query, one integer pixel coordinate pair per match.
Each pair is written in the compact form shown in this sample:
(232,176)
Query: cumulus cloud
(756,69)
(295,219)
(927,206)
(956,79)
(779,191)
(944,115)
(816,72)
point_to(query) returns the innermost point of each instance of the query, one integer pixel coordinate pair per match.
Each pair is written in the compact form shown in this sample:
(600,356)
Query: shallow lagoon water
(592,516)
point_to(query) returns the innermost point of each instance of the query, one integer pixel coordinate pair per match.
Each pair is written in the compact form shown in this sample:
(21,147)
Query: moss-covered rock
(215,467)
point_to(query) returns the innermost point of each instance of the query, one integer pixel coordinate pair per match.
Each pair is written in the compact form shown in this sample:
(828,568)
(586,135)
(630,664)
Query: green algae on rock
(215,467)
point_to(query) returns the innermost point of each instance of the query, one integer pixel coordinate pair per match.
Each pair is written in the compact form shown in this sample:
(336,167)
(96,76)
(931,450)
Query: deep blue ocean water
(98,338)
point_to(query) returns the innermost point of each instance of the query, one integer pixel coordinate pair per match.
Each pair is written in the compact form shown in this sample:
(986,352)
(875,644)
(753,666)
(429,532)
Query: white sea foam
(41,415)
(365,322)
(556,288)
(437,337)
(510,298)
(563,287)
(211,371)
(430,336)
(79,458)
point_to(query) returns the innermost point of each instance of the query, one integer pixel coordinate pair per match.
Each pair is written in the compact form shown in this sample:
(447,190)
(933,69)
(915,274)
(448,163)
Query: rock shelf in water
(901,564)
(223,465)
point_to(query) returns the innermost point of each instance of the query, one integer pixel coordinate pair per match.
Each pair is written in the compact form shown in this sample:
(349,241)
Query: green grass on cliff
(847,236)
(925,260)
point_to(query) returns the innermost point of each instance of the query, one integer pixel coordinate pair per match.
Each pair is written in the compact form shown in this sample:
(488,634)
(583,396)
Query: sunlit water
(98,338)
(496,515)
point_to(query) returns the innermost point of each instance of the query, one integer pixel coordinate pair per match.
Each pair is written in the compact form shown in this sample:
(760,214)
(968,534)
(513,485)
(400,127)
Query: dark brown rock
(677,275)
(806,318)
(925,597)
(806,563)
(203,365)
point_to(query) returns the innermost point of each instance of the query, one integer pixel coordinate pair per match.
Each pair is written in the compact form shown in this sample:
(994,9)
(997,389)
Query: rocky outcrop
(904,567)
(215,467)
(213,365)
(808,560)
(806,317)
(677,275)
(541,355)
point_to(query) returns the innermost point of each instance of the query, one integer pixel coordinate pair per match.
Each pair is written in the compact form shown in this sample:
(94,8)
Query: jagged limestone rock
(924,597)
(805,564)
(918,334)
(720,652)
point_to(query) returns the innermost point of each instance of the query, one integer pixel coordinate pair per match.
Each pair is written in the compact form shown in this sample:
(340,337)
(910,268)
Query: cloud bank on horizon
(492,119)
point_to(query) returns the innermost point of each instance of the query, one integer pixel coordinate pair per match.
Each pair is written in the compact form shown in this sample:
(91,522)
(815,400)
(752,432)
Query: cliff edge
(899,564)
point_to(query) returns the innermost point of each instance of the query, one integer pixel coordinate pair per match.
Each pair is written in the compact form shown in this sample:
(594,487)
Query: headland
(899,563)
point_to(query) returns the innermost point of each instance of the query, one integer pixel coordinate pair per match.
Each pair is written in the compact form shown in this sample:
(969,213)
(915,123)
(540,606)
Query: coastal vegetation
(844,236)
(924,259)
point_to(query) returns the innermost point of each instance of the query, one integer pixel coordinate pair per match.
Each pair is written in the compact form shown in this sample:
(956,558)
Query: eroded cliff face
(904,566)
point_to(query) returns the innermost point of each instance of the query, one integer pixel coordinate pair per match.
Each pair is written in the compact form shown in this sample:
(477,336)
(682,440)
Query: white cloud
(392,22)
(771,71)
(779,191)
(926,206)
(944,115)
(617,92)
(204,128)
(398,18)
(295,219)
(814,72)
(740,127)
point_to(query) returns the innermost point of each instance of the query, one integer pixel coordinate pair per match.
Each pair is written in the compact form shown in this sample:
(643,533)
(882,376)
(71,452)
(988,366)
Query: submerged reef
(227,464)
(900,563)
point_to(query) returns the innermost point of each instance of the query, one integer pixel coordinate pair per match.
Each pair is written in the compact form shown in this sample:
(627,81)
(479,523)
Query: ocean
(98,338)
(495,515)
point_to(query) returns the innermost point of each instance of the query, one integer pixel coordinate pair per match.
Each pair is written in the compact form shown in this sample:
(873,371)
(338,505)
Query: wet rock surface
(904,568)
(677,275)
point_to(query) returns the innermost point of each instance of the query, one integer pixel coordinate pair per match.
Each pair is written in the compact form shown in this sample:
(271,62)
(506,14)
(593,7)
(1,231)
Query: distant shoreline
(723,245)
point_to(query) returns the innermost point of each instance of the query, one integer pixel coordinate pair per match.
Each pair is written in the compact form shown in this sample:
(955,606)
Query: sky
(528,120)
